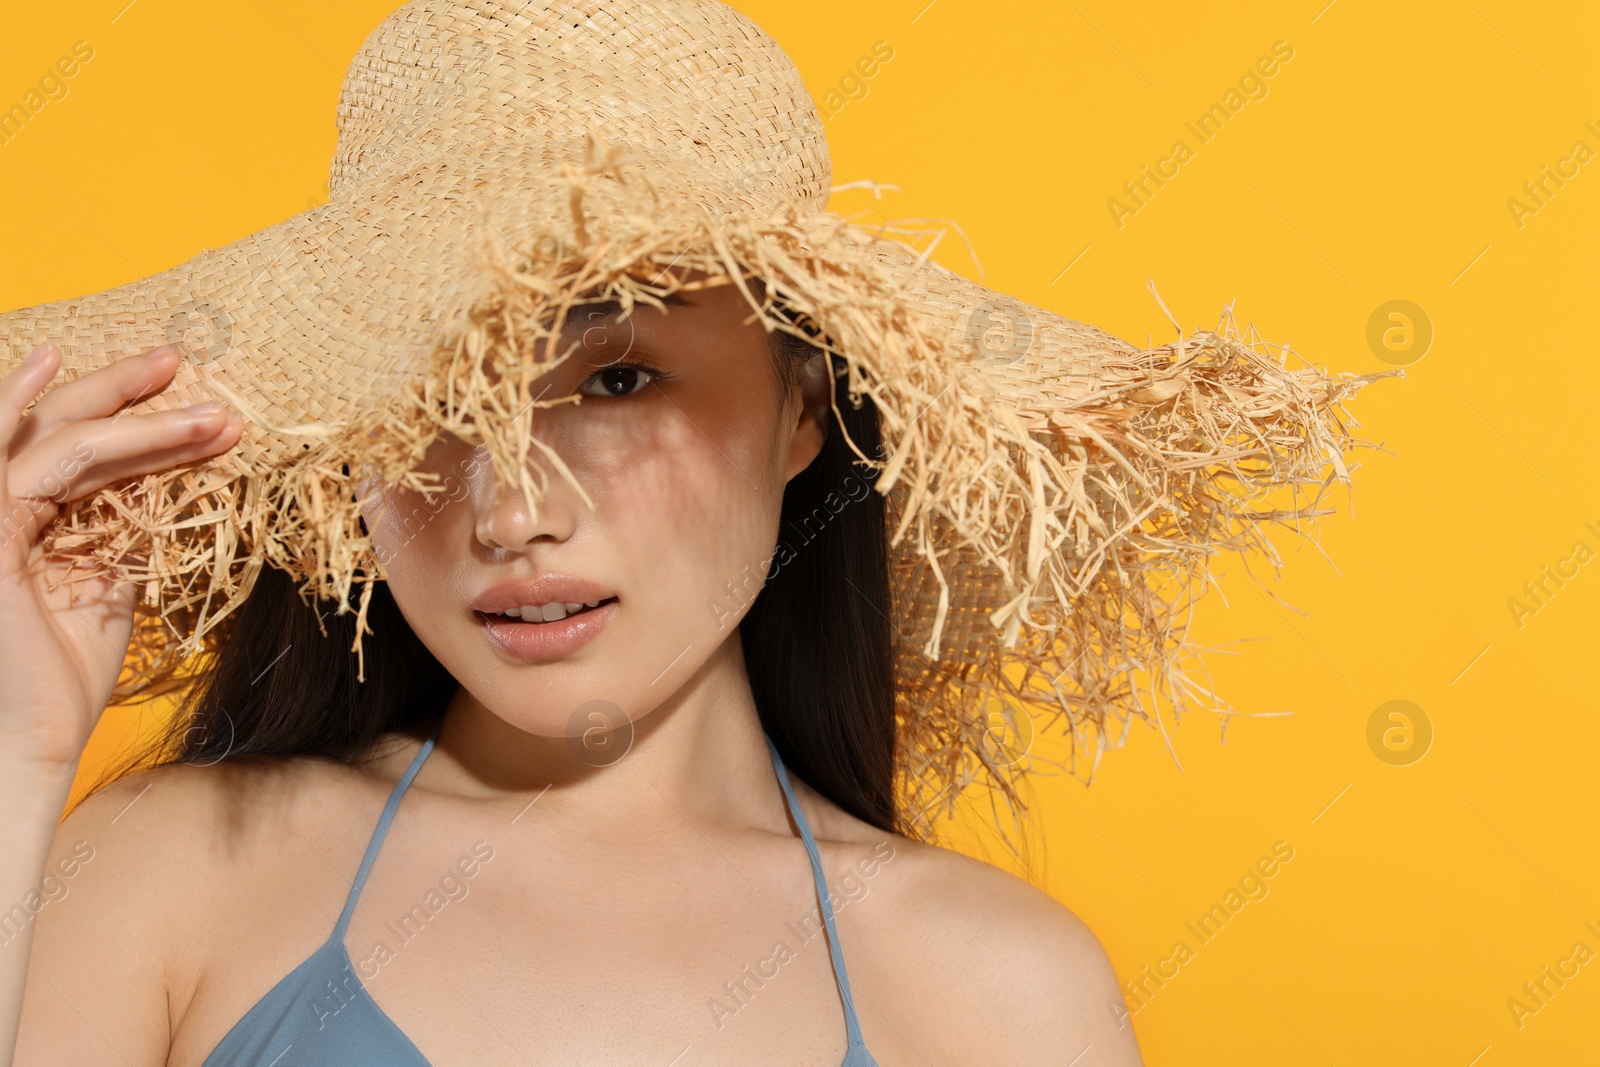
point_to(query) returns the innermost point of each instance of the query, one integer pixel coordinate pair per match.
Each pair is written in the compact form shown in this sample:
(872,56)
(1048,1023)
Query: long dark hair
(817,644)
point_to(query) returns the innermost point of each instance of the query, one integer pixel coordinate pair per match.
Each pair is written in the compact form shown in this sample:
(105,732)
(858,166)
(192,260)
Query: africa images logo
(1251,85)
(202,331)
(1000,330)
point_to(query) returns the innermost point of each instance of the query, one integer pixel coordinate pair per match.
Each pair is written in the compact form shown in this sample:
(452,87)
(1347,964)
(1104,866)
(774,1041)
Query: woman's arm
(61,649)
(31,799)
(106,972)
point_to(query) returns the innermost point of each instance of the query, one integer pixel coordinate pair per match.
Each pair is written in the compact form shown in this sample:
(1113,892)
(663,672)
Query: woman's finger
(81,457)
(20,386)
(98,393)
(103,474)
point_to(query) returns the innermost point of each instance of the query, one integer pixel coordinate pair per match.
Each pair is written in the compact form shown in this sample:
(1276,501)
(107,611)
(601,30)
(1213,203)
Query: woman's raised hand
(61,652)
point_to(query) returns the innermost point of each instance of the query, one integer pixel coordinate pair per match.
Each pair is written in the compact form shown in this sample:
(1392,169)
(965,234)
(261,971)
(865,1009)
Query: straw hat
(1054,492)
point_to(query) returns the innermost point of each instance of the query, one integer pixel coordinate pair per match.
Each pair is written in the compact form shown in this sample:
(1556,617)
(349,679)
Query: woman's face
(684,442)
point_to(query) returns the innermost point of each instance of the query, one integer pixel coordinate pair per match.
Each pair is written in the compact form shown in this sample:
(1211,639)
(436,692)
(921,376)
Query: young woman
(588,854)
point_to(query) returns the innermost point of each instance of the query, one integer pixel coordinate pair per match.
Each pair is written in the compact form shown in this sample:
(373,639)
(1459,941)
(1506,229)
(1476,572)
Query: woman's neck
(700,754)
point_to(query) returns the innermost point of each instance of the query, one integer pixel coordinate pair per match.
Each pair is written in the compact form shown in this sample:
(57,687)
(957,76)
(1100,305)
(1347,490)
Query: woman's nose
(506,521)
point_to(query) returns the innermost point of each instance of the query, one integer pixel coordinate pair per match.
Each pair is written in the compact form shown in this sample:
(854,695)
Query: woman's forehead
(607,318)
(601,311)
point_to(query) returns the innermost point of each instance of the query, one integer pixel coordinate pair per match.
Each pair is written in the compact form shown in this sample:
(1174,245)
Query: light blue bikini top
(320,1015)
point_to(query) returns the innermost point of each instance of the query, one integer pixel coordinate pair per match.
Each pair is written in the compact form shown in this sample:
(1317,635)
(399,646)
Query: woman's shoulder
(150,879)
(946,890)
(986,919)
(192,807)
(176,839)
(223,802)
(168,839)
(221,821)
(1033,978)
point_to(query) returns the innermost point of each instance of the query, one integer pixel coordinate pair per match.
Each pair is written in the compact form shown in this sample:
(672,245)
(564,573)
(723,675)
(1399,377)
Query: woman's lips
(541,641)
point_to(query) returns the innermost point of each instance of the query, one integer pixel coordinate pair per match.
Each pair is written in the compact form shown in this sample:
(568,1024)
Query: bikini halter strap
(852,1027)
(383,829)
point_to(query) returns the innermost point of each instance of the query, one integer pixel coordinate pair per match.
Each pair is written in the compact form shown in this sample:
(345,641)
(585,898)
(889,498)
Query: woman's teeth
(552,612)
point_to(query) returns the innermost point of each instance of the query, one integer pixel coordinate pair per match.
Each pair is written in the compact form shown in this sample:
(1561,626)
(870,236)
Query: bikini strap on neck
(852,1026)
(382,830)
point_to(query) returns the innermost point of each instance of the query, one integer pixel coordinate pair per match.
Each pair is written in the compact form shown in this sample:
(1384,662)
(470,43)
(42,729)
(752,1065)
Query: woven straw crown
(1054,492)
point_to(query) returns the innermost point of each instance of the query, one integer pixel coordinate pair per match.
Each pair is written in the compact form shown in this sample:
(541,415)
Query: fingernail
(159,353)
(210,407)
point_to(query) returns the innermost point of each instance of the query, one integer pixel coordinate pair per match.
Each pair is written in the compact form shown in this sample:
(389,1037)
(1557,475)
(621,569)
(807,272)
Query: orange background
(1379,166)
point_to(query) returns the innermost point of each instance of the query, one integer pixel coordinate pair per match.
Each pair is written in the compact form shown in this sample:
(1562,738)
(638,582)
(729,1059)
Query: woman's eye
(619,380)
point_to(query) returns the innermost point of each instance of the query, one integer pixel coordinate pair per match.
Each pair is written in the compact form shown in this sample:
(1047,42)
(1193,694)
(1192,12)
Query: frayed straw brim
(1054,493)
